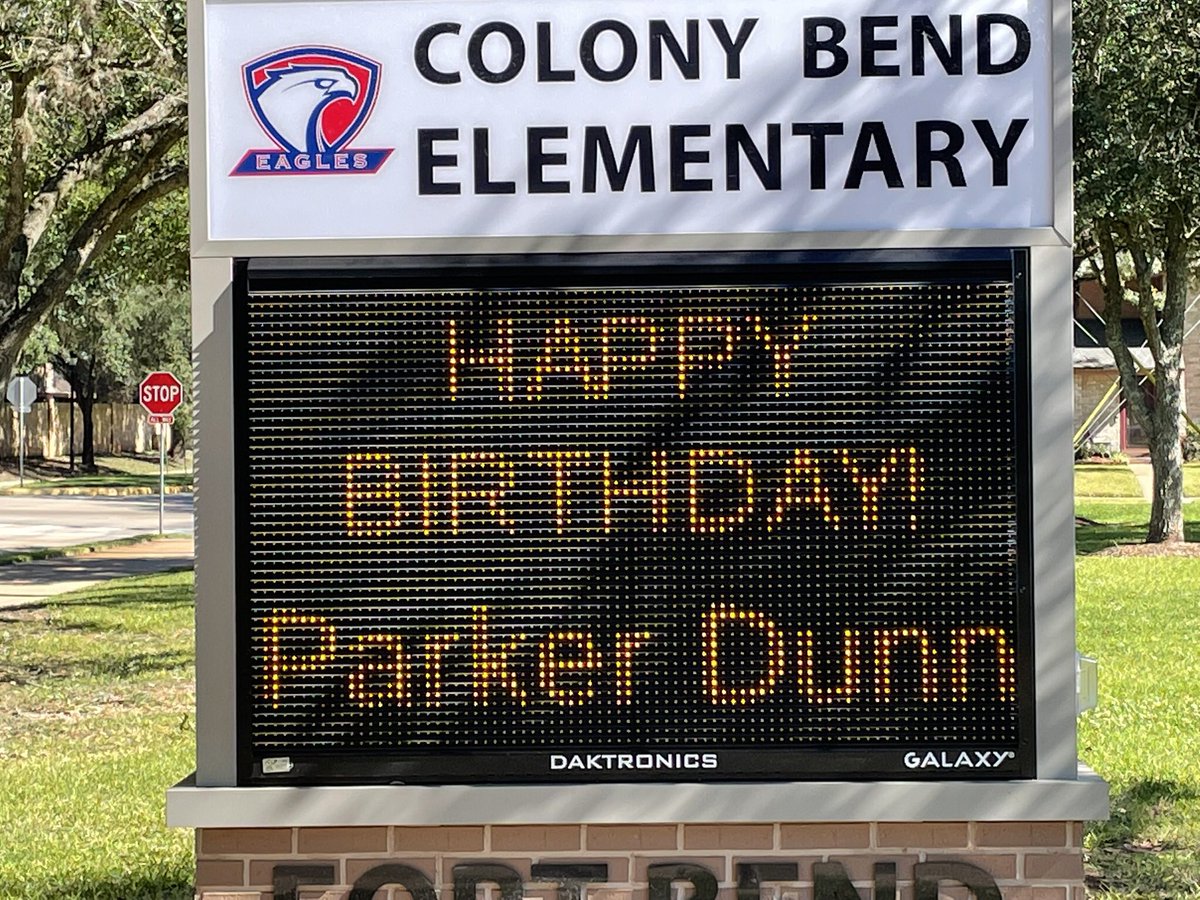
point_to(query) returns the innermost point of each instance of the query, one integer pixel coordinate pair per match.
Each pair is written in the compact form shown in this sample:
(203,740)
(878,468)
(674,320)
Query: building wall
(1191,364)
(1090,291)
(1091,385)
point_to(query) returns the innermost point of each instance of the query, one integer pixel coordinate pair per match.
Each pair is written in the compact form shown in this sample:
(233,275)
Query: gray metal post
(22,407)
(21,431)
(71,431)
(162,473)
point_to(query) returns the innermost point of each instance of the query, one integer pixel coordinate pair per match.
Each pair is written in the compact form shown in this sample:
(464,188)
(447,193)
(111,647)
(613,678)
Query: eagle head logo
(311,101)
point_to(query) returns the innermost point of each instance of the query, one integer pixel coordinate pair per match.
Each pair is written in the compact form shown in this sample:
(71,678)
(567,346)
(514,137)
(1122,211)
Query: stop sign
(160,393)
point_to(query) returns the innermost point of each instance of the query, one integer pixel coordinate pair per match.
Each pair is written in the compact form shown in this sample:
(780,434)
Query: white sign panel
(407,118)
(21,393)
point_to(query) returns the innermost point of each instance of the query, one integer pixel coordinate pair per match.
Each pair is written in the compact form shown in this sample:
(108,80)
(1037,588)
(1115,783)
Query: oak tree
(1137,184)
(92,121)
(126,316)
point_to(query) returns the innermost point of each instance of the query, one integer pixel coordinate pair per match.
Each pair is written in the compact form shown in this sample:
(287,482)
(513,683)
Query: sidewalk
(1143,471)
(25,584)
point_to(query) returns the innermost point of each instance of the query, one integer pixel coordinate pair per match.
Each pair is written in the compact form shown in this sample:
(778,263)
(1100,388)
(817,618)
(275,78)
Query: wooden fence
(120,428)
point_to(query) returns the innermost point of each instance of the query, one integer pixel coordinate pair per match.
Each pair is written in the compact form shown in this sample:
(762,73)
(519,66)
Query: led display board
(663,517)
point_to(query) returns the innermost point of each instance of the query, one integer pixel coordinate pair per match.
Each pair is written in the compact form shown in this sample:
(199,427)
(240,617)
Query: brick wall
(1027,860)
(1191,364)
(1091,386)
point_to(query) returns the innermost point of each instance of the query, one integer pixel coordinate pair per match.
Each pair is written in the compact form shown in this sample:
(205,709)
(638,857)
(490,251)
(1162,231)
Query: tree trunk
(1166,447)
(11,343)
(1164,337)
(1166,512)
(88,455)
(1166,453)
(18,325)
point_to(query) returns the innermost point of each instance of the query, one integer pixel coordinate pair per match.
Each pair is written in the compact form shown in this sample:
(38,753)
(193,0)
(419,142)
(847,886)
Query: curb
(131,491)
(51,553)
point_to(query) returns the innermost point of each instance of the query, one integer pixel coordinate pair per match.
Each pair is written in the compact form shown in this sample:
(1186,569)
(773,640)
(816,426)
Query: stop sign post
(21,393)
(160,394)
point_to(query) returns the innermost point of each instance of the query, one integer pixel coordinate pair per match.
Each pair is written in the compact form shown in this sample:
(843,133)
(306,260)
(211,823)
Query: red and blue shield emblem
(311,101)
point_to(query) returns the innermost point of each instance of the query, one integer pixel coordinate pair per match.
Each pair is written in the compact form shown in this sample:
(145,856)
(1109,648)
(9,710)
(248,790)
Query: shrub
(1090,449)
(1191,447)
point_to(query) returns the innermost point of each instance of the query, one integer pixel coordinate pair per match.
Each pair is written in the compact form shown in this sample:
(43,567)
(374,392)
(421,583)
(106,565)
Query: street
(28,522)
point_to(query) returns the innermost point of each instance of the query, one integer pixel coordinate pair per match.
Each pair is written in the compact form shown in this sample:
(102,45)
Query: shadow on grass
(120,594)
(112,667)
(118,480)
(132,887)
(88,627)
(1102,535)
(1126,854)
(134,664)
(142,600)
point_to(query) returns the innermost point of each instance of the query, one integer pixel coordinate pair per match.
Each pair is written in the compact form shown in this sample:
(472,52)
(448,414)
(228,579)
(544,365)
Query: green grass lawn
(113,472)
(1105,480)
(1138,617)
(1123,522)
(104,481)
(1191,480)
(177,479)
(145,464)
(10,557)
(95,724)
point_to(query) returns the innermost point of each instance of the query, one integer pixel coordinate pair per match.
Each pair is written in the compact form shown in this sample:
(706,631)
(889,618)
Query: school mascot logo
(312,101)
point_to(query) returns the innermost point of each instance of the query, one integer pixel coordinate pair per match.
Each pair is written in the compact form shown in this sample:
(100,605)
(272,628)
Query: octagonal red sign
(160,393)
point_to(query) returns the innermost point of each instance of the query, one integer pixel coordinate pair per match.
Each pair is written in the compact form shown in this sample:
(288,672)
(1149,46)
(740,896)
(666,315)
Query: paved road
(28,584)
(28,522)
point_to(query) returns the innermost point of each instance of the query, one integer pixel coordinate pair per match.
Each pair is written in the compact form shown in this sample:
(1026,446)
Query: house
(1101,415)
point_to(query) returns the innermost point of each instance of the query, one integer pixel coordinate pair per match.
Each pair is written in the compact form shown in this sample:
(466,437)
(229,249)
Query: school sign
(620,413)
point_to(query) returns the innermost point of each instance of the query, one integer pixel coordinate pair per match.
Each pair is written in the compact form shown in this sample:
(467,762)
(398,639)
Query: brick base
(1026,860)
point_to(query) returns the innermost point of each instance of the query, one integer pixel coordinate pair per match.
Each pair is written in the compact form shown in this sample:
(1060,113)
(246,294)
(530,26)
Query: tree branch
(1175,287)
(14,189)
(1114,296)
(114,213)
(131,11)
(167,109)
(89,159)
(137,189)
(1143,271)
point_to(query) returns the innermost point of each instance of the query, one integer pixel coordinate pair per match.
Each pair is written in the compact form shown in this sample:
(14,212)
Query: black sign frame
(644,269)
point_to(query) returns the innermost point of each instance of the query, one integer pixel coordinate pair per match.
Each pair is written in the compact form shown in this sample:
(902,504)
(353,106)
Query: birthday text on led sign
(472,494)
